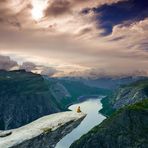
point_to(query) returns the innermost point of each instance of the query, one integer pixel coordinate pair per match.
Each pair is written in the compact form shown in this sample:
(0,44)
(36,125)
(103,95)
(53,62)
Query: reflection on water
(93,118)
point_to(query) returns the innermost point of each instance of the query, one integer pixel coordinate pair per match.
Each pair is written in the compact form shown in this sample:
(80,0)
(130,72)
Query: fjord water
(93,118)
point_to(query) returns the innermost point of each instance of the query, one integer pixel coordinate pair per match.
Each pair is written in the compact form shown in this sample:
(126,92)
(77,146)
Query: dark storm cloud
(85,30)
(144,46)
(28,66)
(12,12)
(57,8)
(118,13)
(63,7)
(117,38)
(6,63)
(48,71)
(44,70)
(86,10)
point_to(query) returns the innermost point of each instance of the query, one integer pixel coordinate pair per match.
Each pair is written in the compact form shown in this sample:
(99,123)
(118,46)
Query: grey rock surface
(50,139)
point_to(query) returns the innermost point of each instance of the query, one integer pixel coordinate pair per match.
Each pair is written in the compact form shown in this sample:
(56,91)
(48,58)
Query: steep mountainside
(78,88)
(125,95)
(60,92)
(130,94)
(106,82)
(127,128)
(24,97)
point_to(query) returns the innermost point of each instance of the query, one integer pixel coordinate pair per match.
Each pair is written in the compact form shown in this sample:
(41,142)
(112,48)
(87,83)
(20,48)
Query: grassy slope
(140,106)
(109,123)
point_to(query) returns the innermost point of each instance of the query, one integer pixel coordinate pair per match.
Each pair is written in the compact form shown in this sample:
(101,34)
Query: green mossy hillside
(126,127)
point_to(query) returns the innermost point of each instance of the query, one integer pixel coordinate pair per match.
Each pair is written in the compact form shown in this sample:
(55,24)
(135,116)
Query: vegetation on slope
(141,84)
(78,89)
(107,108)
(125,128)
(24,97)
(21,82)
(125,95)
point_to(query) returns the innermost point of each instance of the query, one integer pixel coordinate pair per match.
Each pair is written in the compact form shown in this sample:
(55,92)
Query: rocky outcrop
(130,94)
(125,95)
(44,132)
(127,128)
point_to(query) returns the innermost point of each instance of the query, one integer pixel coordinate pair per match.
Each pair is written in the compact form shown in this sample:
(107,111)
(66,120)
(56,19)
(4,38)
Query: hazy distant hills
(105,82)
(78,89)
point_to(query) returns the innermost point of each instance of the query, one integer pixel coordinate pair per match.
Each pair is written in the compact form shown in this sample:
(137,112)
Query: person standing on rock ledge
(79,110)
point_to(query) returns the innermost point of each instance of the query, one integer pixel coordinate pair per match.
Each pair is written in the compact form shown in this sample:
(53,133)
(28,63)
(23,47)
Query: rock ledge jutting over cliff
(44,132)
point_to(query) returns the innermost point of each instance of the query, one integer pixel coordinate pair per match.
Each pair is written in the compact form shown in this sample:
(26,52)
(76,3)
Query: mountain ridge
(24,97)
(126,124)
(125,128)
(125,95)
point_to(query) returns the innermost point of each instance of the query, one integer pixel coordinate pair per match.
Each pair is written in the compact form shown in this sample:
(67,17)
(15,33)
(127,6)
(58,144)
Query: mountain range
(126,125)
(25,97)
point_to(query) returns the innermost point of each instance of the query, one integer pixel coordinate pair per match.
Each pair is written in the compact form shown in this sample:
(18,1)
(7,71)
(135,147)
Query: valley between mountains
(34,111)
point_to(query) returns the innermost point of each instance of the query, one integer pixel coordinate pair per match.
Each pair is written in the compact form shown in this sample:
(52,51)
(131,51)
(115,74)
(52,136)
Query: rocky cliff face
(49,139)
(127,128)
(24,97)
(125,95)
(130,94)
(60,93)
(42,133)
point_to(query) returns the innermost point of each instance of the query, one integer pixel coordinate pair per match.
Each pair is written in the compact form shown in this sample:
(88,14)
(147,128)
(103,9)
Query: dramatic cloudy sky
(70,37)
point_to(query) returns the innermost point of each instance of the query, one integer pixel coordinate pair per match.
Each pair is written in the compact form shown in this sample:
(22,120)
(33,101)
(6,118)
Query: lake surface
(93,118)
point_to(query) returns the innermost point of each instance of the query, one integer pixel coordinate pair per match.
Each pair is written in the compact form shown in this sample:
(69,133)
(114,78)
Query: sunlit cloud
(76,37)
(38,7)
